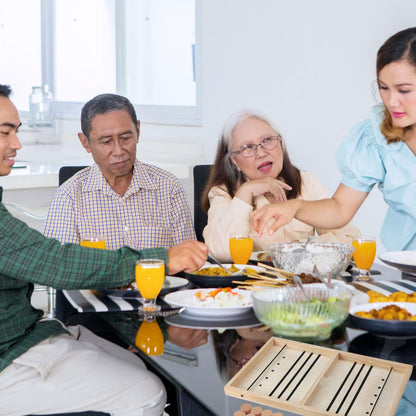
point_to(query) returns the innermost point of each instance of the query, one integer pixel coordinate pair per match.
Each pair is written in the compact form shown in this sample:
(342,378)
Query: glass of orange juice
(95,241)
(149,338)
(364,255)
(241,247)
(150,274)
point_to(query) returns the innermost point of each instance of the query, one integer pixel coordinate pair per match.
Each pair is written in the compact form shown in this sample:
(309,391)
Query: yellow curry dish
(388,312)
(375,297)
(216,271)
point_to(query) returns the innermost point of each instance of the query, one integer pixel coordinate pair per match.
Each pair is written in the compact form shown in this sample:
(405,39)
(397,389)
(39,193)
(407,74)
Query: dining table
(195,375)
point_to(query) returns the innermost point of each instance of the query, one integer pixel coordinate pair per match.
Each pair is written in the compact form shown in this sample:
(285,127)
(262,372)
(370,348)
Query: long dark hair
(224,172)
(399,47)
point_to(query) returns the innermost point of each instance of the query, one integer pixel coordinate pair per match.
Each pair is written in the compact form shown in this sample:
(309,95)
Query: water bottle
(40,105)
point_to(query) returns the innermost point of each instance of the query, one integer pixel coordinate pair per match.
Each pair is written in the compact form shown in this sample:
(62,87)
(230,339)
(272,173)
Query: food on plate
(219,298)
(264,256)
(216,271)
(305,278)
(388,312)
(128,286)
(393,297)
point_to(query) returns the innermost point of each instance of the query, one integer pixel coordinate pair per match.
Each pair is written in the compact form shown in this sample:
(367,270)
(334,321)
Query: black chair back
(201,175)
(63,309)
(65,172)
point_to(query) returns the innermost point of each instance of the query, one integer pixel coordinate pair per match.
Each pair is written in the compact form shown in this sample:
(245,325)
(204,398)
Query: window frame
(156,114)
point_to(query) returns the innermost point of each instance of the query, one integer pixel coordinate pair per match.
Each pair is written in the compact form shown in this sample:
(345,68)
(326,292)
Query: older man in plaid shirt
(46,367)
(126,201)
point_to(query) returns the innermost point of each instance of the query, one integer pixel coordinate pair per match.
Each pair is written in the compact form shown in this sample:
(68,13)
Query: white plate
(245,319)
(335,284)
(402,260)
(186,298)
(173,282)
(170,283)
(254,255)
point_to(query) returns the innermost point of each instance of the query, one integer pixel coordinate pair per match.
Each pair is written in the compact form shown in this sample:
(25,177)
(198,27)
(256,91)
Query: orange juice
(149,278)
(95,243)
(149,338)
(364,254)
(241,248)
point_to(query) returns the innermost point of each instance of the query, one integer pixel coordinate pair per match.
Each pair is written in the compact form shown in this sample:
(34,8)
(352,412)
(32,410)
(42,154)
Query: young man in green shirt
(46,367)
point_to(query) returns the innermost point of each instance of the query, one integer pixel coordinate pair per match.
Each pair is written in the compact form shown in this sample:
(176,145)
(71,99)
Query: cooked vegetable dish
(216,271)
(394,297)
(388,312)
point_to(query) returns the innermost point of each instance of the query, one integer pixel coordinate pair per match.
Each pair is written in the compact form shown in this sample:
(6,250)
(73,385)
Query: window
(85,49)
(143,49)
(163,74)
(20,46)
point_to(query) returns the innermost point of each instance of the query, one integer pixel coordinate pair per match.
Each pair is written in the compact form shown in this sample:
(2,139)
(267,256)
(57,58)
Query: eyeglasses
(249,150)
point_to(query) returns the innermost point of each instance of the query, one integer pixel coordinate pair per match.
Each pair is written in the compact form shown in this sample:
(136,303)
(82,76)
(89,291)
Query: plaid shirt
(153,212)
(27,257)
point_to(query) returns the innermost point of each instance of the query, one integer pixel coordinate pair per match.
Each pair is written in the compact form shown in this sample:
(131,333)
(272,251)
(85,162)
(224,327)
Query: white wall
(309,65)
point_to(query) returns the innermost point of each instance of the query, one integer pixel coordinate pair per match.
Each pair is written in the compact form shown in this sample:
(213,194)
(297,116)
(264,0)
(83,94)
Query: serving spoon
(212,259)
(327,282)
(299,284)
(303,249)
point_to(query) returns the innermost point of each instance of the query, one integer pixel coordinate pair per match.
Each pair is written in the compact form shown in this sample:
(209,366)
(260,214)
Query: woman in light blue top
(381,150)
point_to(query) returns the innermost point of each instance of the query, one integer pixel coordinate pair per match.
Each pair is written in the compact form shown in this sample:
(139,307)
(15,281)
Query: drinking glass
(241,247)
(364,255)
(150,274)
(94,241)
(149,338)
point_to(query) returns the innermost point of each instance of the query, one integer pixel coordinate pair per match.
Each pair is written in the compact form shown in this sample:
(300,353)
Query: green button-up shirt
(27,257)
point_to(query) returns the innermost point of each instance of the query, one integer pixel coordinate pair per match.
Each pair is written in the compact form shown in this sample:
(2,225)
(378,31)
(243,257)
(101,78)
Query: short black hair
(5,90)
(104,103)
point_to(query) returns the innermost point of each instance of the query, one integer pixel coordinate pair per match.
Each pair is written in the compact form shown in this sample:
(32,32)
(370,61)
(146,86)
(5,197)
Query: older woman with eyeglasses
(252,169)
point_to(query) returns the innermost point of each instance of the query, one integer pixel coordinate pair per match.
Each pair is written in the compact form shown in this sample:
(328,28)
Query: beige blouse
(227,216)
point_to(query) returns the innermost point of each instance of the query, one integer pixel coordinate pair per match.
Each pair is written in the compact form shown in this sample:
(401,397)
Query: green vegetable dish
(288,315)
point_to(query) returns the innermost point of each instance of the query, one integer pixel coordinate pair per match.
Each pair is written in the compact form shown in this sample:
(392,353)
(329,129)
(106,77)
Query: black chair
(65,172)
(201,175)
(63,309)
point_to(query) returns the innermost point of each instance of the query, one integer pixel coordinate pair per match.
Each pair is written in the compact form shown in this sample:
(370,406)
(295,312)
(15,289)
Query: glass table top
(200,355)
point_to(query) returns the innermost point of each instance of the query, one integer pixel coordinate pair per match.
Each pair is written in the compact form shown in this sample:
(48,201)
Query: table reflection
(235,347)
(149,338)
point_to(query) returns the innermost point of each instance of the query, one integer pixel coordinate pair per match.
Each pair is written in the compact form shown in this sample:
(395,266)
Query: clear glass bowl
(330,259)
(288,314)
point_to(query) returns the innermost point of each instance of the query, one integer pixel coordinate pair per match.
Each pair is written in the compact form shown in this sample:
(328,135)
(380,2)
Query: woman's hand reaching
(281,213)
(273,188)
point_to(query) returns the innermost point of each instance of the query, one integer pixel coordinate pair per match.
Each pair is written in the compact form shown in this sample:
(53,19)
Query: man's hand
(188,256)
(187,338)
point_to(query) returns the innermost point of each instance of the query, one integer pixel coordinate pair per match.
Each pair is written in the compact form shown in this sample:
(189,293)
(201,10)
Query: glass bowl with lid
(329,260)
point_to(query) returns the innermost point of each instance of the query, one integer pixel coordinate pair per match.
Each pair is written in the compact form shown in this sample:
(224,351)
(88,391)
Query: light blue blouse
(365,159)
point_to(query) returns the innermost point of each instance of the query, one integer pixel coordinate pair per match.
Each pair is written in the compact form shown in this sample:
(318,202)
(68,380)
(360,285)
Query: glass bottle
(40,105)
